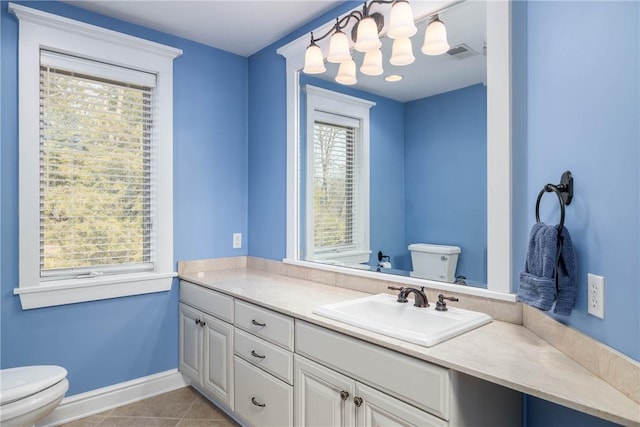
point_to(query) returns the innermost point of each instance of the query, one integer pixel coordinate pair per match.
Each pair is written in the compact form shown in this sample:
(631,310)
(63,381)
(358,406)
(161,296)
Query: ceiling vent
(461,51)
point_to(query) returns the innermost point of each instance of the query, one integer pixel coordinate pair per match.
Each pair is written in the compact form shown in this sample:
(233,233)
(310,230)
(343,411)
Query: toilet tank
(434,262)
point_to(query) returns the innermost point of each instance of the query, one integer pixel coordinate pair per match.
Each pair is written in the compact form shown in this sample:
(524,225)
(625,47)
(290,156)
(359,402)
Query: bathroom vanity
(272,369)
(278,363)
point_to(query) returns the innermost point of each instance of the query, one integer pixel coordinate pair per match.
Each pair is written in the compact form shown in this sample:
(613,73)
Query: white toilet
(30,393)
(434,262)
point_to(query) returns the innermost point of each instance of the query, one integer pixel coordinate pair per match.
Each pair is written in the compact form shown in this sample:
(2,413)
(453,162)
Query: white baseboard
(102,399)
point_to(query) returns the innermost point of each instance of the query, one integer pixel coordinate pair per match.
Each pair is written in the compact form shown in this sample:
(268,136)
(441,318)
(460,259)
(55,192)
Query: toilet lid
(18,383)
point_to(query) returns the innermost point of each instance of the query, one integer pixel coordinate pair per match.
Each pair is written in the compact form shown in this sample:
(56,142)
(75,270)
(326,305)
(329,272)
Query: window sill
(356,256)
(61,292)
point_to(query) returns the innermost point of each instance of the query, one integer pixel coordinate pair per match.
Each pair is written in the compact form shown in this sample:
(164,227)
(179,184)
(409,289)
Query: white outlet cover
(237,240)
(595,295)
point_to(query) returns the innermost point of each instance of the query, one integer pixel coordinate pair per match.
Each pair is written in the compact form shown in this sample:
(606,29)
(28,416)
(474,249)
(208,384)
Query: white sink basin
(423,326)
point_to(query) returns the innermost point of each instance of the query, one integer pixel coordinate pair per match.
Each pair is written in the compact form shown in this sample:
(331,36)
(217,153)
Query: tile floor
(180,408)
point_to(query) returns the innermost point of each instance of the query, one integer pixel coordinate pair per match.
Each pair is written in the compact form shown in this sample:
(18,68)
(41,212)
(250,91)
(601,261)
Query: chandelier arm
(356,14)
(372,2)
(340,24)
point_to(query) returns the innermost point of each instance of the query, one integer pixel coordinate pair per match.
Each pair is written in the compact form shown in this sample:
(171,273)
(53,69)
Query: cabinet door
(377,409)
(190,343)
(217,372)
(322,397)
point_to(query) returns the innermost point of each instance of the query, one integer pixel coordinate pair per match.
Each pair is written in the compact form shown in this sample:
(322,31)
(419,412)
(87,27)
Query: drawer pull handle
(358,401)
(259,356)
(255,402)
(256,323)
(344,395)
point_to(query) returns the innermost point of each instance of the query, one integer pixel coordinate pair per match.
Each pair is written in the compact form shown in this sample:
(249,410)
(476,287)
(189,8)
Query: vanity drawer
(414,381)
(267,356)
(207,300)
(255,388)
(265,323)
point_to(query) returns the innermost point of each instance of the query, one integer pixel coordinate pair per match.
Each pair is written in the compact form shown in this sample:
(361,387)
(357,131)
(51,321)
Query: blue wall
(583,102)
(582,113)
(446,175)
(107,342)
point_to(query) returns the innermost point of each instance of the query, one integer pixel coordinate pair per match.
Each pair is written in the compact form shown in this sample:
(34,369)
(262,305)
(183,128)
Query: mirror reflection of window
(335,186)
(336,178)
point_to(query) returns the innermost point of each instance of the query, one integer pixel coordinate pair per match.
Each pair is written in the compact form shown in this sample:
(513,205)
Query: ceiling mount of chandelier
(365,34)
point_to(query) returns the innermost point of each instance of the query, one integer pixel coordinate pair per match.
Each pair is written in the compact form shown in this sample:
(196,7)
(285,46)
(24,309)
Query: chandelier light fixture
(366,37)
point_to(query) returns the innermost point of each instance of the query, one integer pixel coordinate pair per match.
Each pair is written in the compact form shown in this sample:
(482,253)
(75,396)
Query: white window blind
(335,183)
(96,199)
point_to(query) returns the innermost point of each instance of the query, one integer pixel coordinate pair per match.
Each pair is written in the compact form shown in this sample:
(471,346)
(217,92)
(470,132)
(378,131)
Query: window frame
(338,104)
(41,30)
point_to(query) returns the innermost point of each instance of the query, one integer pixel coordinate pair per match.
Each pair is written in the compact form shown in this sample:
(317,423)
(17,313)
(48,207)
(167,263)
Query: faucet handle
(402,296)
(441,305)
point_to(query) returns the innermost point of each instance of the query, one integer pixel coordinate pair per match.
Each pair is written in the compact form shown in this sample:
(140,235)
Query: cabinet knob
(344,395)
(259,356)
(197,321)
(358,401)
(202,323)
(255,402)
(256,323)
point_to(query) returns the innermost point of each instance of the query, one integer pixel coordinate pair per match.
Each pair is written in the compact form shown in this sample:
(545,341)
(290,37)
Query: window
(95,153)
(95,168)
(337,180)
(335,210)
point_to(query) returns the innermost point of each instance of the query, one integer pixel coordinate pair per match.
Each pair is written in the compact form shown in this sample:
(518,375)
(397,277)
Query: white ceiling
(246,26)
(239,26)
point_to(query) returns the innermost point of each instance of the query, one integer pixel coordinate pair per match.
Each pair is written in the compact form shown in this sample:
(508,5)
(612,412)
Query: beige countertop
(500,352)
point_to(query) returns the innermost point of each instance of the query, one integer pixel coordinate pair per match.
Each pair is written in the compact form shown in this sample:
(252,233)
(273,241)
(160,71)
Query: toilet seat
(24,412)
(19,383)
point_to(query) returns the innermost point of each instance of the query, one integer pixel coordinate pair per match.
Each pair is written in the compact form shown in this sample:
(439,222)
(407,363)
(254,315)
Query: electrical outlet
(237,240)
(595,302)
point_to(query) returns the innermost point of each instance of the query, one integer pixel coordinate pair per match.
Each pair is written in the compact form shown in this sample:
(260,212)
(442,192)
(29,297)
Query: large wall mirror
(417,160)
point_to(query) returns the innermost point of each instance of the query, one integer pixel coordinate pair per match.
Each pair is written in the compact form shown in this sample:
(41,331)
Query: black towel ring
(564,191)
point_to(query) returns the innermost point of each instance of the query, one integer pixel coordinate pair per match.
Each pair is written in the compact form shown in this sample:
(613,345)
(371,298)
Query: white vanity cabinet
(272,370)
(324,397)
(364,384)
(206,342)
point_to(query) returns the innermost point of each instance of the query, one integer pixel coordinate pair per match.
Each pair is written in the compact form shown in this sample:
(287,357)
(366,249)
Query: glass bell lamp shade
(339,48)
(372,63)
(313,60)
(347,73)
(435,38)
(402,52)
(401,23)
(367,35)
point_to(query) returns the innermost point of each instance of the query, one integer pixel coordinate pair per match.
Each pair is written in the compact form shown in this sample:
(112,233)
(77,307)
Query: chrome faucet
(420,298)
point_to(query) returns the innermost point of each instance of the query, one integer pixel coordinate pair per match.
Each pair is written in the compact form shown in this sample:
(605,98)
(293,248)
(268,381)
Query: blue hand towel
(567,275)
(537,282)
(547,257)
